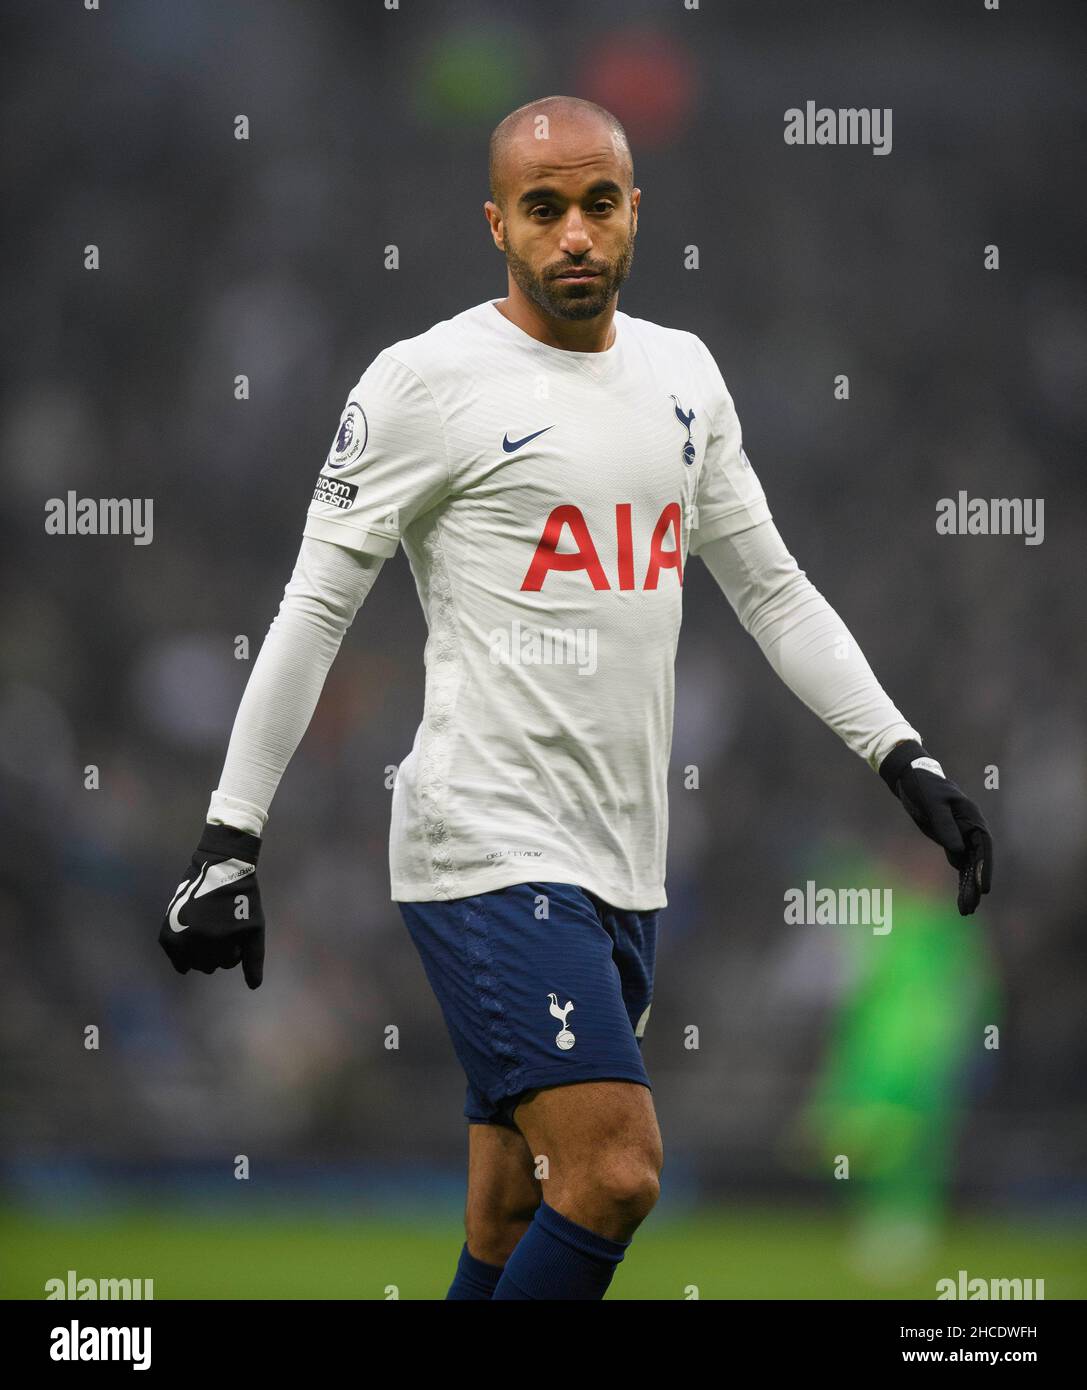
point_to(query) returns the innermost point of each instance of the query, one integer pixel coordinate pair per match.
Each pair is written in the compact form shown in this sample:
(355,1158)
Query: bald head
(524,137)
(563,210)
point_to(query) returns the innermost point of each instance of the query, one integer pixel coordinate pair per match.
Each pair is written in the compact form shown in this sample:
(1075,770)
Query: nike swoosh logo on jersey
(210,877)
(511,445)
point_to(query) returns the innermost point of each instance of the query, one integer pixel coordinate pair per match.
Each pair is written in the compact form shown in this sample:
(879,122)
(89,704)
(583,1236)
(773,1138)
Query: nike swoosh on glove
(946,814)
(215,920)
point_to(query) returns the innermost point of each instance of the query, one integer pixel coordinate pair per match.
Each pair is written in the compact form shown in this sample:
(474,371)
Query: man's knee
(626,1182)
(611,1190)
(604,1150)
(493,1233)
(503,1192)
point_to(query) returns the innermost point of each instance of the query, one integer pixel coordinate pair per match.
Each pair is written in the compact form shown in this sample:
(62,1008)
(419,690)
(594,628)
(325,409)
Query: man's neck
(573,335)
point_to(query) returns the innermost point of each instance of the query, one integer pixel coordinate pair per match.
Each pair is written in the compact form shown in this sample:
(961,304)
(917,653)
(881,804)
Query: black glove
(946,814)
(202,929)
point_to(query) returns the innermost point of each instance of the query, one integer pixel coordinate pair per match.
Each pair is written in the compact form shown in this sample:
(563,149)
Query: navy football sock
(558,1259)
(473,1278)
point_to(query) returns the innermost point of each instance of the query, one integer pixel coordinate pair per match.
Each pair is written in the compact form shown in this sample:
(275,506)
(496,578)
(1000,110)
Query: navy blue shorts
(534,1000)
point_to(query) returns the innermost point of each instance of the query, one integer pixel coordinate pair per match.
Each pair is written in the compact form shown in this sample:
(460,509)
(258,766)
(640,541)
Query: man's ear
(493,213)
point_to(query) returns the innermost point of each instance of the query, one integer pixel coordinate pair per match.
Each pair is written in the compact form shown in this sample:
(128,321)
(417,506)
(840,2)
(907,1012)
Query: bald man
(549,464)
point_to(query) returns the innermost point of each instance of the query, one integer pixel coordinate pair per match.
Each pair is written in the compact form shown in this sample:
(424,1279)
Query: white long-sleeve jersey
(548,502)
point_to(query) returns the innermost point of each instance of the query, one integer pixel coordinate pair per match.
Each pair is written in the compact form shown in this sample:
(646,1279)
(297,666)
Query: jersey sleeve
(387,464)
(729,496)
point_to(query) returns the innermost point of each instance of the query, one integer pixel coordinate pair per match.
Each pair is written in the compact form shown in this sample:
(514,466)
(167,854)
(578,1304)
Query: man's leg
(503,1195)
(501,971)
(604,1156)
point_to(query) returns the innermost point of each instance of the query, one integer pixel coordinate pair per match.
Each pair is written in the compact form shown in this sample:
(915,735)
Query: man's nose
(575,233)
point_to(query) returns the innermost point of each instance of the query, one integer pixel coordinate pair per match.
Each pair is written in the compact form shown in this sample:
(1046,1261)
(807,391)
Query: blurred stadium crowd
(266,257)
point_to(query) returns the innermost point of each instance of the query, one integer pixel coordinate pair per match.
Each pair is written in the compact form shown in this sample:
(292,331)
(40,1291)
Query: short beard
(587,303)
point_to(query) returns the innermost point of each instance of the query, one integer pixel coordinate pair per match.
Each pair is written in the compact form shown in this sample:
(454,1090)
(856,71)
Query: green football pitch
(714,1253)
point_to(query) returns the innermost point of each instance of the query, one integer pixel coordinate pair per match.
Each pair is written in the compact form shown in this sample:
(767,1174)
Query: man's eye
(543,208)
(604,205)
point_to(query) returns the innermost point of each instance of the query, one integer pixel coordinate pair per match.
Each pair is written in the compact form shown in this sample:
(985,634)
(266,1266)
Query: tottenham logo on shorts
(335,493)
(685,418)
(564,1038)
(350,437)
